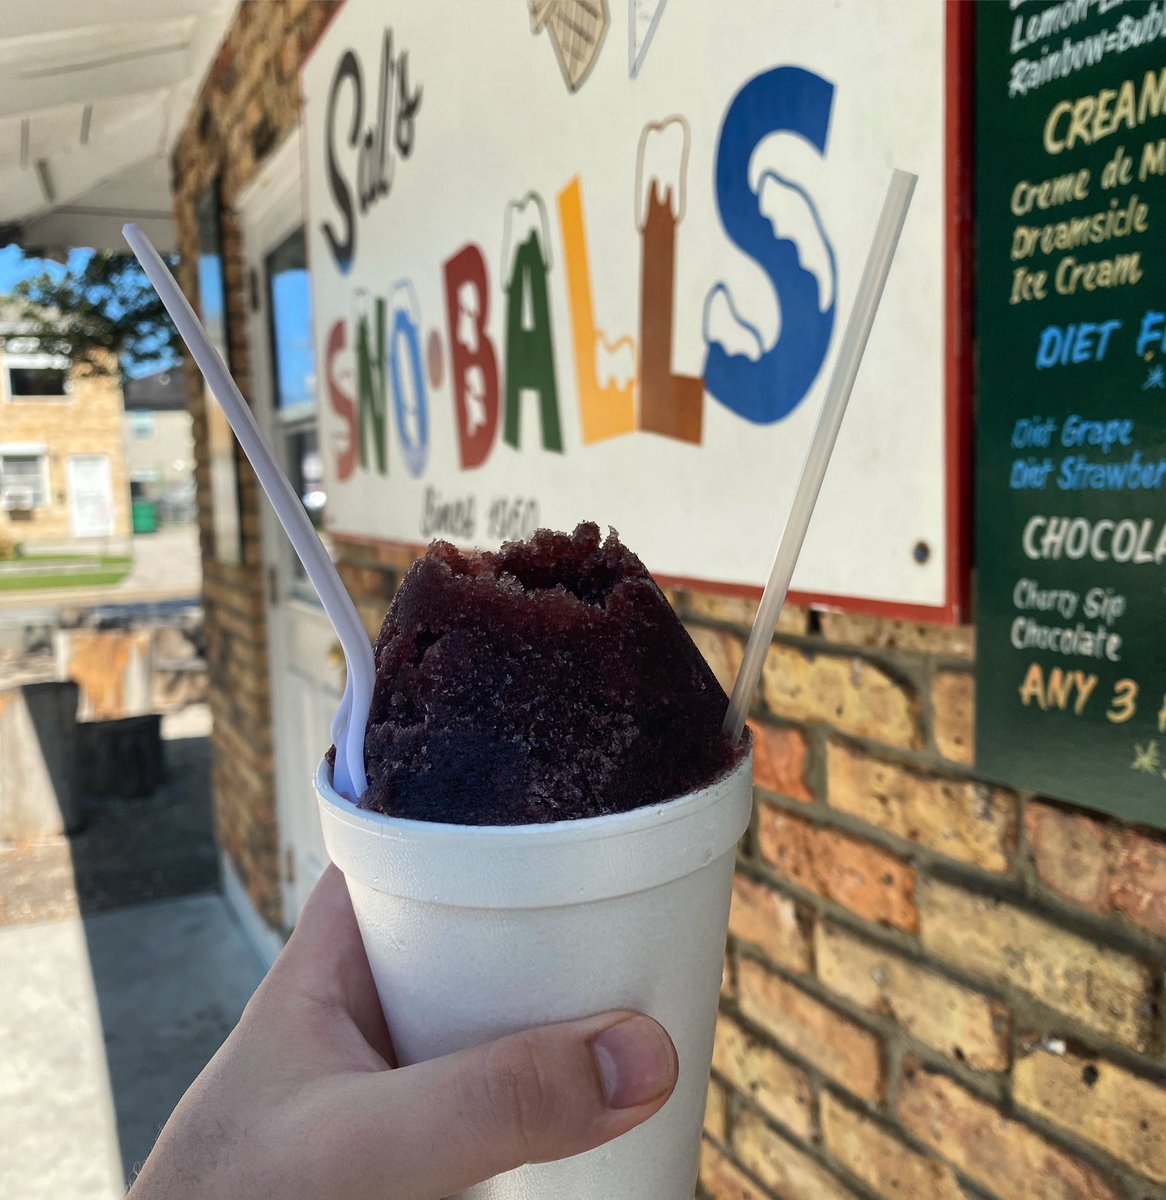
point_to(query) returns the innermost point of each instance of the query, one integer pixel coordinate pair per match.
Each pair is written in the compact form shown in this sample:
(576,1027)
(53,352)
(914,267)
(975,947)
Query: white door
(90,496)
(305,676)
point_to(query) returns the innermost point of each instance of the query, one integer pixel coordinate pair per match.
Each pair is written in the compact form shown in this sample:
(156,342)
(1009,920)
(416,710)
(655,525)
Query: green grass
(111,570)
(45,560)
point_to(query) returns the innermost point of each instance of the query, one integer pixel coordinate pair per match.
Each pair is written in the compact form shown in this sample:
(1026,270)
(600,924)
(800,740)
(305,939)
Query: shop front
(481,268)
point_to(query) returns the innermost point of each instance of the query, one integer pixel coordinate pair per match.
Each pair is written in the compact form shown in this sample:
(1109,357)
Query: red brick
(716,1112)
(1069,852)
(1102,988)
(870,1151)
(1123,1113)
(393,555)
(838,1046)
(865,878)
(950,1018)
(723,1179)
(367,583)
(722,651)
(953,707)
(966,820)
(741,611)
(289,59)
(879,633)
(1138,879)
(853,695)
(1002,1155)
(733,610)
(790,1172)
(767,1078)
(1103,866)
(372,617)
(779,761)
(771,922)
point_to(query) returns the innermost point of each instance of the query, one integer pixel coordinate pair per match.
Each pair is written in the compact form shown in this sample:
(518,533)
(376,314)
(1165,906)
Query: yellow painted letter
(604,410)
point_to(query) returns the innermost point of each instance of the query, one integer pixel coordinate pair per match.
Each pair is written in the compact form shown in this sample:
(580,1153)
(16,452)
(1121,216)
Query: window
(142,423)
(289,292)
(37,377)
(36,381)
(289,310)
(23,481)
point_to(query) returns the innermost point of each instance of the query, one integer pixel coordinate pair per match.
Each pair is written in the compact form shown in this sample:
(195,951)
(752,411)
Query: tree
(102,309)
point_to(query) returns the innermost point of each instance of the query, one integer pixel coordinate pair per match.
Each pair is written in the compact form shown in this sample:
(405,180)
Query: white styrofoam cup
(477,931)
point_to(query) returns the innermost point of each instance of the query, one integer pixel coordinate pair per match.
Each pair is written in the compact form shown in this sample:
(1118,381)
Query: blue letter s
(766,388)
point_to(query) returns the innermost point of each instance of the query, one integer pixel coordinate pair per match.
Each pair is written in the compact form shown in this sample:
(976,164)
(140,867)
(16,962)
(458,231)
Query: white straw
(348,729)
(866,302)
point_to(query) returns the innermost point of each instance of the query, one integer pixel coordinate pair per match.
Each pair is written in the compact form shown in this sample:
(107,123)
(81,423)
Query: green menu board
(1071,444)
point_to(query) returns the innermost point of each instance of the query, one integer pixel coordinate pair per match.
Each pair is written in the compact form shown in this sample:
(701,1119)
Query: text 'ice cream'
(546,681)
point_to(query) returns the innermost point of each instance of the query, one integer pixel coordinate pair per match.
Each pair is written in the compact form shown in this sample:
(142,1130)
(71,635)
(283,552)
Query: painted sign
(559,275)
(1071,460)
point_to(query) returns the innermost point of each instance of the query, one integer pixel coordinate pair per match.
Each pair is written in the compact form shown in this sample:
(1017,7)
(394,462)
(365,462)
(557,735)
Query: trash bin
(145,516)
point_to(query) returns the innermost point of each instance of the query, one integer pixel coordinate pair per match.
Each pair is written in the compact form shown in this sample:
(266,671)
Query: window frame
(40,455)
(36,362)
(143,424)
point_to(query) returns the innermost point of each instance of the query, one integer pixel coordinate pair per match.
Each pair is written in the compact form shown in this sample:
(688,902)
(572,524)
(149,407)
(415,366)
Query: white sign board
(91,513)
(591,259)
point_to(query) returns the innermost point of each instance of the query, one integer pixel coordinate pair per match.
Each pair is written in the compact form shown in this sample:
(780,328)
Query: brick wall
(247,106)
(90,420)
(934,987)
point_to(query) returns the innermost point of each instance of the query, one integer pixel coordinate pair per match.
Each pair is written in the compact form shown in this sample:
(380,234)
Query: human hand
(303,1101)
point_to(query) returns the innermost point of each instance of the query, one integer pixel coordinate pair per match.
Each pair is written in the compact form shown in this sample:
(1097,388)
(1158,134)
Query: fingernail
(636,1062)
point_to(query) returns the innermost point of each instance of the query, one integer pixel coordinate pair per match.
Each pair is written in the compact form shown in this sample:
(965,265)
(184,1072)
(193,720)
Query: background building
(159,445)
(62,463)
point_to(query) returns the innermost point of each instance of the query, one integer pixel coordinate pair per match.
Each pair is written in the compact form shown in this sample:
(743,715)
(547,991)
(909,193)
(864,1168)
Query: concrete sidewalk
(104,1022)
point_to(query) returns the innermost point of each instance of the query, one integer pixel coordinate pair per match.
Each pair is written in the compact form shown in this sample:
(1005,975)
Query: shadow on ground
(171,979)
(121,972)
(129,851)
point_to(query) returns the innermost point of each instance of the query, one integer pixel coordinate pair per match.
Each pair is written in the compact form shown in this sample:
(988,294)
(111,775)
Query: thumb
(545,1094)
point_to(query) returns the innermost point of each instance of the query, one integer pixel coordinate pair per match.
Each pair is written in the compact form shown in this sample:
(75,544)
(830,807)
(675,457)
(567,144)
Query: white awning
(92,99)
